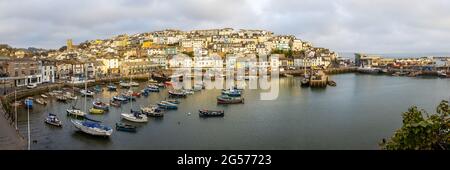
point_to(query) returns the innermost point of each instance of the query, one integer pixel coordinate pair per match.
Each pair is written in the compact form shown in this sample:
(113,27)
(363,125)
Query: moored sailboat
(92,127)
(87,93)
(134,116)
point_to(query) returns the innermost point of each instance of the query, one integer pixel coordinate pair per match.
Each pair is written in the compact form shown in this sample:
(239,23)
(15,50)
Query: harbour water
(356,114)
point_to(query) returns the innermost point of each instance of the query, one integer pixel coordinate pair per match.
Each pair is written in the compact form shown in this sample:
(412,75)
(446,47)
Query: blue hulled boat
(167,105)
(112,87)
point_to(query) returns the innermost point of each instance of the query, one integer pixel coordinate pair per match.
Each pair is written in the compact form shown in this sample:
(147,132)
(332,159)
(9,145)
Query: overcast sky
(372,26)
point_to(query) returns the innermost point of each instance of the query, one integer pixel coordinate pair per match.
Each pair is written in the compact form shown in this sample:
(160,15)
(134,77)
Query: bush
(422,133)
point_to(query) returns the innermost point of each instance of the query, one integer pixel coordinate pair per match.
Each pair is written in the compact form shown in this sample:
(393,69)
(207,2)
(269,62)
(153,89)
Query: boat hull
(125,128)
(96,111)
(90,130)
(57,124)
(211,113)
(75,112)
(230,101)
(174,94)
(132,118)
(167,107)
(101,106)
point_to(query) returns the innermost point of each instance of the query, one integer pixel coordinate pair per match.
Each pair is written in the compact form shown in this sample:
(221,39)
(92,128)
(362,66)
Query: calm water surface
(356,114)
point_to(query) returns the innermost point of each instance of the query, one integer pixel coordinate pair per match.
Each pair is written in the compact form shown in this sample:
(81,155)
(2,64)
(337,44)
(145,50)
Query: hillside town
(140,53)
(125,55)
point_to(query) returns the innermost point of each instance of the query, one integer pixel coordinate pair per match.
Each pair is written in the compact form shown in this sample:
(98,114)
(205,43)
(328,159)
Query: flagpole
(29,135)
(15,108)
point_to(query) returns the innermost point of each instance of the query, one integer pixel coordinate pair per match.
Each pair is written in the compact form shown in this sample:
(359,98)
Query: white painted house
(48,71)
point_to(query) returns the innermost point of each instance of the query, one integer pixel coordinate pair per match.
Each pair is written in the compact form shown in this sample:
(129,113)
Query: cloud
(381,26)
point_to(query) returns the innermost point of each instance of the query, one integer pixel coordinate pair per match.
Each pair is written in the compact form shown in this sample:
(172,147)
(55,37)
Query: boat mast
(85,89)
(73,88)
(131,89)
(15,108)
(304,66)
(28,122)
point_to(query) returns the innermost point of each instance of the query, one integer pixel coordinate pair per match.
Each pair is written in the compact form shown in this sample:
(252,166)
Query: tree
(287,53)
(422,133)
(190,53)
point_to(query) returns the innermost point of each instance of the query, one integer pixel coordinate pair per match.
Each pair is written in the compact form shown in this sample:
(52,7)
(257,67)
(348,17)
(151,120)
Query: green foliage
(422,133)
(287,53)
(190,53)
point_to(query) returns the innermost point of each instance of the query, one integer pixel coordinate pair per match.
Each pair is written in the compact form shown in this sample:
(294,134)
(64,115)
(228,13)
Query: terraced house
(21,71)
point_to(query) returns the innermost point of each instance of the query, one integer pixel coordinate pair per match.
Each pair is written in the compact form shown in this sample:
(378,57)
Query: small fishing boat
(134,84)
(231,93)
(125,127)
(44,96)
(96,111)
(152,86)
(331,83)
(29,102)
(173,101)
(128,96)
(61,98)
(92,127)
(225,99)
(100,105)
(188,91)
(148,89)
(135,116)
(304,82)
(176,94)
(119,98)
(211,113)
(112,87)
(75,112)
(98,88)
(134,94)
(115,103)
(53,120)
(368,70)
(167,105)
(152,81)
(144,92)
(41,101)
(153,111)
(442,74)
(124,85)
(87,93)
